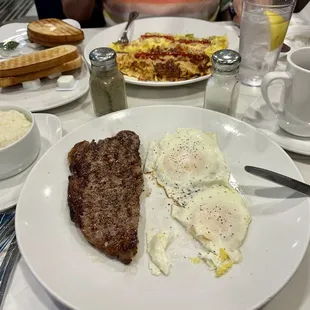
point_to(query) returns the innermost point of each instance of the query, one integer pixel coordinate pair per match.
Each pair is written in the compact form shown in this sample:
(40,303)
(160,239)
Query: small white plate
(260,116)
(18,32)
(51,131)
(171,25)
(83,278)
(46,97)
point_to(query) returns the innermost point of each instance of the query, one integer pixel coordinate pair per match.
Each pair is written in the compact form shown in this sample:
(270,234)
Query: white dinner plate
(85,279)
(260,116)
(51,132)
(171,25)
(46,97)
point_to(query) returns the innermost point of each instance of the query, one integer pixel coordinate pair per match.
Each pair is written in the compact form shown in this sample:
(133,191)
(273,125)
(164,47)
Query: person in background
(90,13)
(116,11)
(54,9)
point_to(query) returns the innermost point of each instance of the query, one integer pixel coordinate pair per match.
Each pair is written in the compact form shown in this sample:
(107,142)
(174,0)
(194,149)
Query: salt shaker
(107,85)
(222,89)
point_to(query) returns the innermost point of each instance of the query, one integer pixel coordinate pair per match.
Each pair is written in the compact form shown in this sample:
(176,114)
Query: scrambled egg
(141,45)
(165,57)
(149,43)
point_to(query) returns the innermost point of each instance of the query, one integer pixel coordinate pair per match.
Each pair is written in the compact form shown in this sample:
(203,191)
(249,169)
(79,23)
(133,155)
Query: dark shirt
(53,9)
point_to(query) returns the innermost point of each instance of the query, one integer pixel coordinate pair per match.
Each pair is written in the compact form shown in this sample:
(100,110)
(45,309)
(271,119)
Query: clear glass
(262,31)
(107,89)
(222,92)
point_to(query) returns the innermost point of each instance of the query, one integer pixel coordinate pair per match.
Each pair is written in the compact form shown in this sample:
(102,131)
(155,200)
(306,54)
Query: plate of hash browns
(166,51)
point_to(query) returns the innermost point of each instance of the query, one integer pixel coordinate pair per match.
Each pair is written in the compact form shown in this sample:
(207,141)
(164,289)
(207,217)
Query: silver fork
(124,38)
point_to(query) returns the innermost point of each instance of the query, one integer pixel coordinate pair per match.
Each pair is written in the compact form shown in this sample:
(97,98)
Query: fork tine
(6,235)
(7,228)
(4,217)
(6,242)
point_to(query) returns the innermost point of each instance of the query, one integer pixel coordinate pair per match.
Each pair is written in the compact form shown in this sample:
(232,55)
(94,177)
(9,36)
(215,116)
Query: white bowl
(21,154)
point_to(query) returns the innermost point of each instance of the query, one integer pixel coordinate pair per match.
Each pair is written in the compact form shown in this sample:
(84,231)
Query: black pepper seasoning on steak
(104,193)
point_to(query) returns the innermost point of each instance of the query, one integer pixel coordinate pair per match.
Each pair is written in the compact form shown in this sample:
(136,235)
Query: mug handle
(269,78)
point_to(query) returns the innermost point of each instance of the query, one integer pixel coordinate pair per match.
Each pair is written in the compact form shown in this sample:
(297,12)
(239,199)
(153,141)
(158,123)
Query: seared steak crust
(104,193)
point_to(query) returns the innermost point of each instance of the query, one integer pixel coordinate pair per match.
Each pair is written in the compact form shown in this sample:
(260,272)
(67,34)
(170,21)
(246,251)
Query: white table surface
(25,293)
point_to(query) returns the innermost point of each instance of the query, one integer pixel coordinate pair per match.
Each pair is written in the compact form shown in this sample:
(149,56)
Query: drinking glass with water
(262,31)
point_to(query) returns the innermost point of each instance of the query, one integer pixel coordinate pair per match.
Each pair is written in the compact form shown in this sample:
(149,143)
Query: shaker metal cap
(226,60)
(103,57)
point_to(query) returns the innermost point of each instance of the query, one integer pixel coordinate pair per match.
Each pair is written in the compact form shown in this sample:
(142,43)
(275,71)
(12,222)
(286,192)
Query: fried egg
(219,219)
(190,167)
(186,162)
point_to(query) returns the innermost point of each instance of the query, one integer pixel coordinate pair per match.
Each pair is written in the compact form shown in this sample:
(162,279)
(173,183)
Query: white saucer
(260,116)
(51,132)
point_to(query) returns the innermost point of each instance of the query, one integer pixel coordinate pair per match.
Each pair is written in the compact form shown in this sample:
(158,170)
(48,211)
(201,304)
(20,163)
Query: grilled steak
(104,193)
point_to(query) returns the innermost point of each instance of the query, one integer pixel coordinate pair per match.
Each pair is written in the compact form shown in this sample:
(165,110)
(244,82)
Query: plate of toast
(48,51)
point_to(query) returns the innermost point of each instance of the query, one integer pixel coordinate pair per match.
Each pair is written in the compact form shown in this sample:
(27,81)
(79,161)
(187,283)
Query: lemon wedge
(278,28)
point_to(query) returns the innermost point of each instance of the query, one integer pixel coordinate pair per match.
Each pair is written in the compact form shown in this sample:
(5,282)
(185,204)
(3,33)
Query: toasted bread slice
(53,31)
(49,44)
(68,66)
(38,61)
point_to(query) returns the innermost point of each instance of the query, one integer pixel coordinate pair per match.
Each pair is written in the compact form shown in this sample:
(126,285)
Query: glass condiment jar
(107,85)
(222,90)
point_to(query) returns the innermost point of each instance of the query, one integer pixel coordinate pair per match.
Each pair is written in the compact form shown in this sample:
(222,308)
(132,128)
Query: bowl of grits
(19,140)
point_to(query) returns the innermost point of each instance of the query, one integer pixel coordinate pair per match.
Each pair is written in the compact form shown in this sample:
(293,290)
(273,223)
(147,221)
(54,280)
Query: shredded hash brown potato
(165,57)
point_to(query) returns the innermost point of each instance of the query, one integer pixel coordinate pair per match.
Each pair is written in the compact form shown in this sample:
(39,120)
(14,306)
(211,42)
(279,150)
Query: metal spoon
(124,39)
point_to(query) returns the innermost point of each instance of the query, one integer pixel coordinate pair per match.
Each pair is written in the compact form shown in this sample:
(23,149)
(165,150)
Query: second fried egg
(219,219)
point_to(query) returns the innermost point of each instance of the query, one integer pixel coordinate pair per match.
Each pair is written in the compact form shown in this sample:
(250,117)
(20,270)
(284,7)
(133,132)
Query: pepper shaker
(107,85)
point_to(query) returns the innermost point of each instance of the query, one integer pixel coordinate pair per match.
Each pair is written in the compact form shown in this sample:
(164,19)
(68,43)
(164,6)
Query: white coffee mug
(294,112)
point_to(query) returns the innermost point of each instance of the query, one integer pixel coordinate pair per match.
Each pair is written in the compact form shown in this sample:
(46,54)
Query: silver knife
(279,179)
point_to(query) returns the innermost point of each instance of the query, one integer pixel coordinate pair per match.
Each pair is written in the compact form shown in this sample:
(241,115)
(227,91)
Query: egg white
(156,247)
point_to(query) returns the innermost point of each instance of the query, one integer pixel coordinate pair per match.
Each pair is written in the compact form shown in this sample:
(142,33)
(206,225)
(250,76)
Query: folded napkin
(298,33)
(297,36)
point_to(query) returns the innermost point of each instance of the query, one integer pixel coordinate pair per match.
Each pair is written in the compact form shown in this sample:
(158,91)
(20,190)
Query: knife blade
(279,179)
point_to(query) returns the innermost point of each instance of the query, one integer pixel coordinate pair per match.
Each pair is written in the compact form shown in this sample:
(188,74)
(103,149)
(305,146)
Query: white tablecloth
(25,293)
